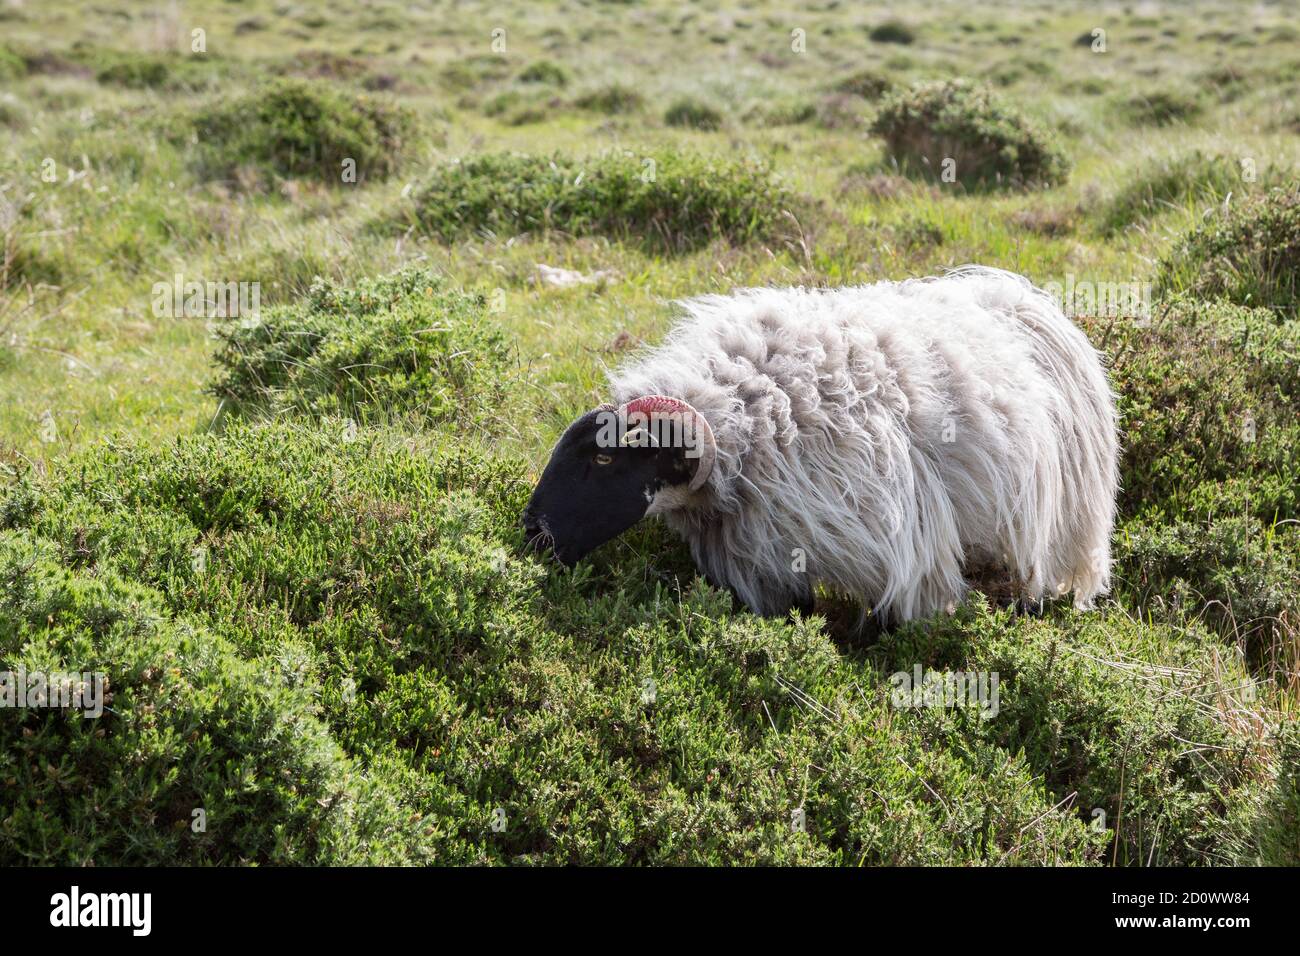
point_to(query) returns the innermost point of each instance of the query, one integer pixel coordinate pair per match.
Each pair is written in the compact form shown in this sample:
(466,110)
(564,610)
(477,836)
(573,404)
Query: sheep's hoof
(1030,607)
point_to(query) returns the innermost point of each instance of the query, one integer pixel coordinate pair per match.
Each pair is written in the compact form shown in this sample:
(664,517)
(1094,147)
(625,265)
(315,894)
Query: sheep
(874,441)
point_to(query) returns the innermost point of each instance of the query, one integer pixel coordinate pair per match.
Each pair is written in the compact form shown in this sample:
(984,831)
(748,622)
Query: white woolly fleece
(876,439)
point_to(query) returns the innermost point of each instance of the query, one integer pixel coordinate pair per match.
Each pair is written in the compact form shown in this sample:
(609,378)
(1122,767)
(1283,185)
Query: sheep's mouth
(539,539)
(537,535)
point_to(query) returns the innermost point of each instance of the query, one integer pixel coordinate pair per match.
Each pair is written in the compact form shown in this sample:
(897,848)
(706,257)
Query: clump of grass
(519,107)
(1045,220)
(1176,181)
(866,180)
(403,345)
(136,73)
(1161,107)
(475,71)
(12,66)
(1227,81)
(612,99)
(546,72)
(1248,252)
(672,199)
(12,113)
(840,111)
(293,128)
(22,262)
(693,113)
(990,143)
(869,84)
(785,112)
(892,31)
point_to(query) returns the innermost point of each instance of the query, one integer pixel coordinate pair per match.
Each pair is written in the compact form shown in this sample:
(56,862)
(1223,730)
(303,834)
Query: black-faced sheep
(873,440)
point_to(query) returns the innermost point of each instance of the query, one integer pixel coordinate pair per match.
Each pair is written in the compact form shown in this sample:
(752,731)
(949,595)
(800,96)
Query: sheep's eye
(603,459)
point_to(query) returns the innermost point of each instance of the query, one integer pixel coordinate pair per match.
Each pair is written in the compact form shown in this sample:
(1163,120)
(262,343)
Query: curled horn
(656,405)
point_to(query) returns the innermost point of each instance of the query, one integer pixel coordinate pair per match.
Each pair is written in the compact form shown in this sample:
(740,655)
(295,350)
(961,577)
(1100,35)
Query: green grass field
(289,540)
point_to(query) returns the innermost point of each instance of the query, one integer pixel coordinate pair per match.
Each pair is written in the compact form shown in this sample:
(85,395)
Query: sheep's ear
(700,444)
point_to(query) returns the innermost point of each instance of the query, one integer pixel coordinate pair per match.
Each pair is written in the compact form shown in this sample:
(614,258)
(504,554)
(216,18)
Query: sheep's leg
(806,606)
(1030,607)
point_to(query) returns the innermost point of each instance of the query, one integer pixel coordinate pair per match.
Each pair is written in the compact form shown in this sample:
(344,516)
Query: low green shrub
(868,84)
(1099,707)
(617,713)
(1248,253)
(1210,473)
(294,128)
(22,262)
(12,65)
(990,143)
(669,198)
(519,107)
(892,31)
(544,71)
(1161,107)
(693,113)
(475,71)
(405,344)
(13,115)
(784,112)
(1207,395)
(612,99)
(200,756)
(1235,572)
(137,73)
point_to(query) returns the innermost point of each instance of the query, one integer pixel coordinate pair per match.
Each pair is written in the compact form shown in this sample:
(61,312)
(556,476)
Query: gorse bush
(343,644)
(1248,253)
(693,113)
(1161,107)
(1236,572)
(869,84)
(475,71)
(364,634)
(1210,472)
(990,143)
(135,73)
(1207,395)
(200,756)
(172,72)
(518,107)
(893,31)
(668,198)
(294,128)
(612,99)
(544,71)
(406,344)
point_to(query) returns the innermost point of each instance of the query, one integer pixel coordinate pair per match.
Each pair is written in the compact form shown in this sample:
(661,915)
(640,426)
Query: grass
(1247,253)
(291,539)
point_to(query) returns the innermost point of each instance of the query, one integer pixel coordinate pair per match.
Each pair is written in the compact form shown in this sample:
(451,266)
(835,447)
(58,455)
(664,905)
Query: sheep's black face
(593,490)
